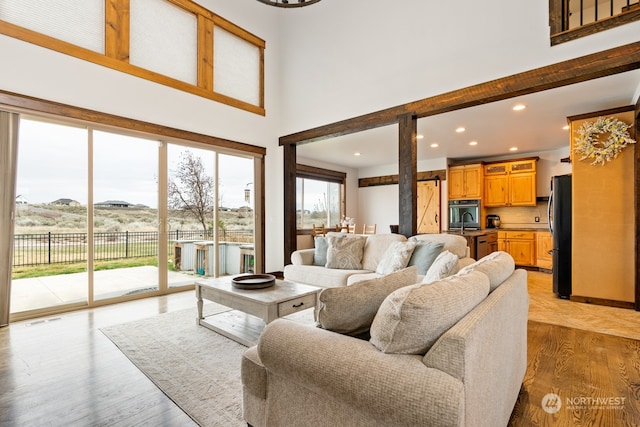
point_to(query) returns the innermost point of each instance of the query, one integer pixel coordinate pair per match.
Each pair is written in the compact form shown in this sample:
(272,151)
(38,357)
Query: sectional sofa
(448,353)
(312,267)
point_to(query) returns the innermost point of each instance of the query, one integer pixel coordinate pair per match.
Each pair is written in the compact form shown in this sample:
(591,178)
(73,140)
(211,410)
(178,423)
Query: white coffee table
(252,309)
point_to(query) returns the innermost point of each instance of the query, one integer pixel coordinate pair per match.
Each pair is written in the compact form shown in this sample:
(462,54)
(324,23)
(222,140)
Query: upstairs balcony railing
(572,19)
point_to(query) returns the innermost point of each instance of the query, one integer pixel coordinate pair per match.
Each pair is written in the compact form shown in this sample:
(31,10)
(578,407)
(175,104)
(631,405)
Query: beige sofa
(470,376)
(303,270)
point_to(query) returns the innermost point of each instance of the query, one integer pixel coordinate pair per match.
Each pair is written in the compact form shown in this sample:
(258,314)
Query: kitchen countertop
(484,231)
(523,229)
(473,233)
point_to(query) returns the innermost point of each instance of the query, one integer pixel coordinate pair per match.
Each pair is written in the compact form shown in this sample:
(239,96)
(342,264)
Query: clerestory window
(177,43)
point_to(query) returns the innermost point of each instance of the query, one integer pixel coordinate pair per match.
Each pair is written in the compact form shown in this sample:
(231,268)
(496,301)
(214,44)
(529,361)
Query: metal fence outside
(67,248)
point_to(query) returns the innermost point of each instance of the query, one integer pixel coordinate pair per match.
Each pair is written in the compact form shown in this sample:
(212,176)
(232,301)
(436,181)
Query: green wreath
(590,145)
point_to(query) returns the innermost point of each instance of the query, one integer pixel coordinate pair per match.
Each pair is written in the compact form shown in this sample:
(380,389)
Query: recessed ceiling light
(473,143)
(419,136)
(356,153)
(565,127)
(513,149)
(460,129)
(519,107)
(434,145)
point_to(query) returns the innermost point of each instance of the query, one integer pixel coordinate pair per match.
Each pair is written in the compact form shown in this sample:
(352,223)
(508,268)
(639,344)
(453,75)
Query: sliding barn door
(429,207)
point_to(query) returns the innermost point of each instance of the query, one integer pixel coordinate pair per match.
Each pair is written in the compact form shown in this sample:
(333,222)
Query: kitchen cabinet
(465,182)
(521,245)
(544,244)
(510,183)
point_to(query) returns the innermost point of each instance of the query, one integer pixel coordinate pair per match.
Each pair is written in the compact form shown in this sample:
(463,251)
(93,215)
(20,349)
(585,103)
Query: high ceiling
(495,127)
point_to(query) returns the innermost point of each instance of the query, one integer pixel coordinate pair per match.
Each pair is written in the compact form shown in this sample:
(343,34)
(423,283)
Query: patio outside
(50,291)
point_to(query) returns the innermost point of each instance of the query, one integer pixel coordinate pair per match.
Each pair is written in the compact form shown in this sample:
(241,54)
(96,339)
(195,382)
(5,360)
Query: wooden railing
(572,19)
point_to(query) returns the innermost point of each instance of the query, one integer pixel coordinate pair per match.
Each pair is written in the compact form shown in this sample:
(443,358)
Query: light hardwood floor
(62,371)
(546,307)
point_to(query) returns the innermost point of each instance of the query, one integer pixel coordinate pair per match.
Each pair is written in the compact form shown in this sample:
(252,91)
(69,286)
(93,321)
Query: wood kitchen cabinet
(510,183)
(544,244)
(521,245)
(465,182)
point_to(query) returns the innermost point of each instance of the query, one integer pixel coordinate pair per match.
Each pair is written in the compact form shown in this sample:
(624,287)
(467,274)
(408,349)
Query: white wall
(348,58)
(550,165)
(379,205)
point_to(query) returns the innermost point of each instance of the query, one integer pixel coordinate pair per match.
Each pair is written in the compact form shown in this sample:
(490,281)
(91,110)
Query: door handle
(436,218)
(549,212)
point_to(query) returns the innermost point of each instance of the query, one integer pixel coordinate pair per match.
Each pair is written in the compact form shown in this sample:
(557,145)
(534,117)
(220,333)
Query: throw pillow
(345,253)
(320,253)
(395,257)
(424,255)
(351,309)
(443,266)
(411,319)
(498,266)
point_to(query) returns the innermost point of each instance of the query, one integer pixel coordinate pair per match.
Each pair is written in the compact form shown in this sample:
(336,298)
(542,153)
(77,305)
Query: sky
(52,164)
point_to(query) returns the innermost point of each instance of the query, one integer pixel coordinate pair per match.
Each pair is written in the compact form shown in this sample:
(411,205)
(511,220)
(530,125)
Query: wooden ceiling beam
(601,64)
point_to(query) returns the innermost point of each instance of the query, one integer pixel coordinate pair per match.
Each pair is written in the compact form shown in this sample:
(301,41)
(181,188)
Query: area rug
(195,367)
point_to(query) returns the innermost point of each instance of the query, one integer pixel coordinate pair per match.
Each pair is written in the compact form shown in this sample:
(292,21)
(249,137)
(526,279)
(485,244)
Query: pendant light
(289,3)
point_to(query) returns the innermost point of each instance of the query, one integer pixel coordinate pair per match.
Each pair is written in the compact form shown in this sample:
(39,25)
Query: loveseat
(449,353)
(307,266)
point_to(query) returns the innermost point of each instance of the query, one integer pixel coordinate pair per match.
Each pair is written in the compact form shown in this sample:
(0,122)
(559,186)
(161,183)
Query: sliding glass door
(211,213)
(86,217)
(125,215)
(103,217)
(236,222)
(190,211)
(50,236)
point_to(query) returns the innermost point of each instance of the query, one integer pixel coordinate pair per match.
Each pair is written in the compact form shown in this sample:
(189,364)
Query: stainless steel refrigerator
(560,214)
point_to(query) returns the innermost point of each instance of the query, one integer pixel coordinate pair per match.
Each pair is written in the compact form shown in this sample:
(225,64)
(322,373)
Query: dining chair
(351,229)
(318,231)
(369,229)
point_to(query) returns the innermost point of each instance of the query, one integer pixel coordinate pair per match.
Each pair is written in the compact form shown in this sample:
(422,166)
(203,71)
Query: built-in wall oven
(464,210)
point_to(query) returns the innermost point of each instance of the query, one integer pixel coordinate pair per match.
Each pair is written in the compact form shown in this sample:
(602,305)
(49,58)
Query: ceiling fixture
(289,3)
(460,129)
(513,149)
(473,143)
(519,107)
(356,153)
(434,145)
(419,136)
(565,127)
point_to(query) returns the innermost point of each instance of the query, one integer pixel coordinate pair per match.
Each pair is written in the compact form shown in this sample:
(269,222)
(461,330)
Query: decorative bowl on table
(253,281)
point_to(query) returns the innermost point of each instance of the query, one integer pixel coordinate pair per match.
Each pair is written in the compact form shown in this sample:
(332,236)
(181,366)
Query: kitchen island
(529,247)
(481,242)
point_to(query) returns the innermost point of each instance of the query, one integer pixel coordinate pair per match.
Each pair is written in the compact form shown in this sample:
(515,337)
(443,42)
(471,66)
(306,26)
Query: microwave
(467,210)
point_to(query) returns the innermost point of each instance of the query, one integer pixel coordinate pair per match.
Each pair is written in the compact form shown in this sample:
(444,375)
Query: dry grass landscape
(45,218)
(51,239)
